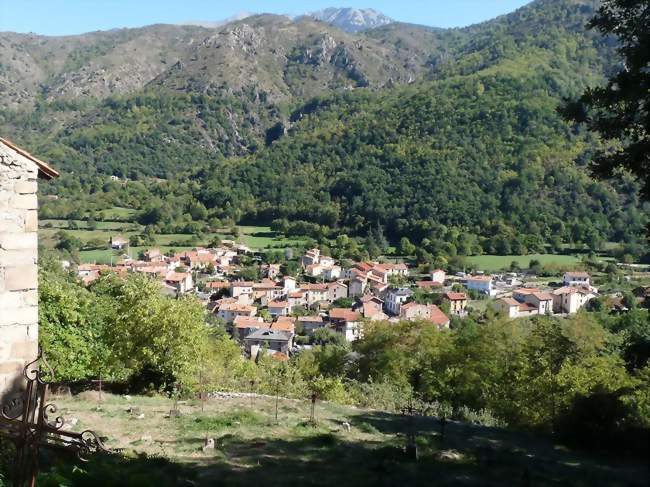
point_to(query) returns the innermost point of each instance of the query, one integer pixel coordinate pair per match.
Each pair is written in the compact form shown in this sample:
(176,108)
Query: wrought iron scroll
(31,424)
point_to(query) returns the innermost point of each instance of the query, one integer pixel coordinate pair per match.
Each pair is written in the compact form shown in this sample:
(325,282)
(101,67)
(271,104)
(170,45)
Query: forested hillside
(403,130)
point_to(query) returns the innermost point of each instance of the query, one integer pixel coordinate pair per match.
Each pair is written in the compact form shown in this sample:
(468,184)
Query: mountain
(352,20)
(403,129)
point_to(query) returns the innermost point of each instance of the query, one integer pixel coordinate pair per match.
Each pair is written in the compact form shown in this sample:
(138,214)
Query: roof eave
(45,171)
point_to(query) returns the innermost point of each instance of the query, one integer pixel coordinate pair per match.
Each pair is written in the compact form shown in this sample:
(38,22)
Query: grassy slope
(251,447)
(498,262)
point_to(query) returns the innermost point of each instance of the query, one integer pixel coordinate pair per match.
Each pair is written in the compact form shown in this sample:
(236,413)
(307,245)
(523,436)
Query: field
(257,238)
(491,263)
(252,448)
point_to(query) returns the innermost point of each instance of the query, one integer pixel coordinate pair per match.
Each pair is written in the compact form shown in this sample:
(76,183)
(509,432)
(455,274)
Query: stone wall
(18,269)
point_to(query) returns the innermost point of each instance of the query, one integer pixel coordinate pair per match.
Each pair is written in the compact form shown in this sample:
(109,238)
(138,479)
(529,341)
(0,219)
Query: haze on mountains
(401,128)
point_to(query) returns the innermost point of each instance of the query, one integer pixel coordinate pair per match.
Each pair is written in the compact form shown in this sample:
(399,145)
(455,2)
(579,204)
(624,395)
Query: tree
(163,344)
(66,241)
(91,223)
(406,247)
(620,110)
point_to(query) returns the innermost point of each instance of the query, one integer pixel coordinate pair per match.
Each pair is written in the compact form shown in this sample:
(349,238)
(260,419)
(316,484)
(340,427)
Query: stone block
(24,202)
(12,221)
(27,315)
(25,187)
(18,241)
(21,277)
(18,257)
(26,351)
(16,333)
(11,300)
(31,221)
(12,367)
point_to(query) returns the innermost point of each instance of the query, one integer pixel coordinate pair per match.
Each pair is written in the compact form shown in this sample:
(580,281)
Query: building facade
(19,173)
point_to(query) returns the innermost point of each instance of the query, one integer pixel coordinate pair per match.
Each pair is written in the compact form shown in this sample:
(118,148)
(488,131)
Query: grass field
(492,263)
(256,237)
(117,212)
(252,448)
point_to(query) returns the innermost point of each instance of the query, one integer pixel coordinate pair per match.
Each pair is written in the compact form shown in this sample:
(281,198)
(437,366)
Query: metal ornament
(31,424)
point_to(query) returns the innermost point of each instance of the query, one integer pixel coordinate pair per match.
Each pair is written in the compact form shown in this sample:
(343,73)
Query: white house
(395,298)
(346,322)
(576,279)
(571,299)
(438,275)
(481,284)
(229,311)
(241,287)
(279,308)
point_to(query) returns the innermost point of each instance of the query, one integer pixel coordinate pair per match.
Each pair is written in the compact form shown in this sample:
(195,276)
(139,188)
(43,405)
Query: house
(269,341)
(217,285)
(310,324)
(19,174)
(267,291)
(395,298)
(198,259)
(286,323)
(576,279)
(480,284)
(245,325)
(521,293)
(427,312)
(413,311)
(346,322)
(438,275)
(507,306)
(181,281)
(336,290)
(331,273)
(153,255)
(570,299)
(357,284)
(314,270)
(118,242)
(297,298)
(289,284)
(229,311)
(279,308)
(457,303)
(370,307)
(272,270)
(437,317)
(240,287)
(311,257)
(428,285)
(384,272)
(541,301)
(512,308)
(315,293)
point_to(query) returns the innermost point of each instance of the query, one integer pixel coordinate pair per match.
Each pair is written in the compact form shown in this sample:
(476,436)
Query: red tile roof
(436,316)
(249,322)
(286,323)
(217,284)
(426,284)
(344,314)
(456,296)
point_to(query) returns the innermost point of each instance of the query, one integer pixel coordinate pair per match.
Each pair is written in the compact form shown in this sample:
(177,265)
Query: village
(282,314)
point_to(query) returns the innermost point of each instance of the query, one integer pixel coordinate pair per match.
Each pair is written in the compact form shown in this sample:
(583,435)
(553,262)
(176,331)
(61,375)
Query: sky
(65,17)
